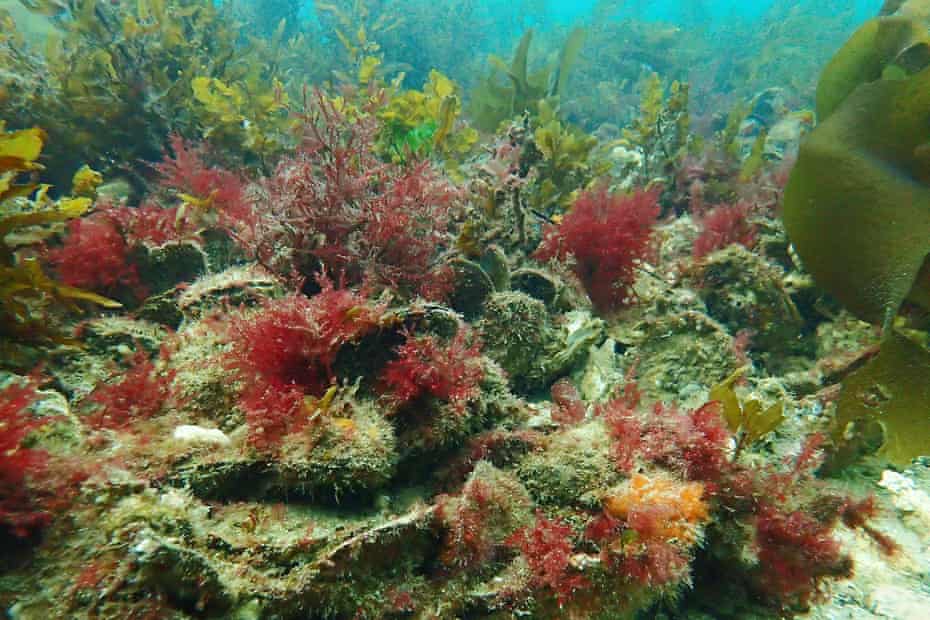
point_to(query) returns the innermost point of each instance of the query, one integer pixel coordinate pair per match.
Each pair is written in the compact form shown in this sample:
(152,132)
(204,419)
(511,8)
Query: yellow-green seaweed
(878,44)
(749,418)
(25,289)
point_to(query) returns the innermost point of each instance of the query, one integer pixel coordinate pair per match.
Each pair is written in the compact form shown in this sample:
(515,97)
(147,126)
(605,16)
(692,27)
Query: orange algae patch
(660,508)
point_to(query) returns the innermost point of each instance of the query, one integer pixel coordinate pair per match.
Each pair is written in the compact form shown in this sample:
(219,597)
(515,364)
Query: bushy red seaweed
(548,547)
(702,441)
(20,513)
(286,350)
(137,393)
(606,234)
(95,256)
(468,542)
(651,562)
(792,517)
(567,407)
(184,171)
(656,563)
(426,366)
(623,424)
(477,523)
(153,225)
(794,523)
(857,514)
(335,205)
(796,552)
(722,226)
(272,412)
(96,253)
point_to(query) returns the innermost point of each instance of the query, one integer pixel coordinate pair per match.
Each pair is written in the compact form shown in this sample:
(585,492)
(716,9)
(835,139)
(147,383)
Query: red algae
(606,235)
(95,256)
(20,512)
(425,366)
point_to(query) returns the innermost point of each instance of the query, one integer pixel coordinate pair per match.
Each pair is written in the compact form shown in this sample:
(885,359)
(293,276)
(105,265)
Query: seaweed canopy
(25,290)
(510,90)
(857,208)
(118,77)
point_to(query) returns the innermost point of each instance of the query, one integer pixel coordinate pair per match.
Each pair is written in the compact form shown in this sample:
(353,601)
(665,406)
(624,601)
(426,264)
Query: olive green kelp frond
(510,90)
(908,8)
(857,205)
(857,209)
(893,390)
(878,46)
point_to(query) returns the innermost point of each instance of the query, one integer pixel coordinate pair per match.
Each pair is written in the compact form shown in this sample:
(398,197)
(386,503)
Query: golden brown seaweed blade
(20,149)
(892,389)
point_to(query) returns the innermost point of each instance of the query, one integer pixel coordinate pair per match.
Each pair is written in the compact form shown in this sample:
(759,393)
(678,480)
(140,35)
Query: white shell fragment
(198,434)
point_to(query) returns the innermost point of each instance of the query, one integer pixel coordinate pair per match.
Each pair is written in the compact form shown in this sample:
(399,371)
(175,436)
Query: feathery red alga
(606,234)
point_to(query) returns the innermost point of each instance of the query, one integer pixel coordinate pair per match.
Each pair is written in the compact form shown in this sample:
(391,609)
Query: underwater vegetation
(21,511)
(28,296)
(605,235)
(118,79)
(335,205)
(330,312)
(870,138)
(510,89)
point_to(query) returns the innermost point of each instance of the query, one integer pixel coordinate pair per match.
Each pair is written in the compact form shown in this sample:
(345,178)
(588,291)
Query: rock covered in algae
(519,335)
(572,468)
(883,589)
(579,332)
(473,285)
(351,573)
(677,356)
(236,286)
(432,428)
(399,554)
(745,292)
(108,335)
(203,385)
(186,577)
(164,267)
(539,284)
(109,342)
(601,373)
(496,264)
(339,459)
(516,332)
(242,285)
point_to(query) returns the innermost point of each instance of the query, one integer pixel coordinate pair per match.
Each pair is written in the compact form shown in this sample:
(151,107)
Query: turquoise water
(694,11)
(456,36)
(688,11)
